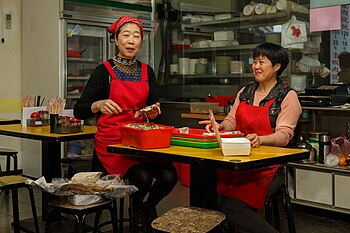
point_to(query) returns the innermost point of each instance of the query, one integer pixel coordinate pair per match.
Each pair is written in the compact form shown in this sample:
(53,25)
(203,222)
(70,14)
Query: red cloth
(123,20)
(128,95)
(249,186)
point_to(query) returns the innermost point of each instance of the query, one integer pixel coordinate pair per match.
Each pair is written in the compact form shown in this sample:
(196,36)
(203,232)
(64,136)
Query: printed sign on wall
(339,42)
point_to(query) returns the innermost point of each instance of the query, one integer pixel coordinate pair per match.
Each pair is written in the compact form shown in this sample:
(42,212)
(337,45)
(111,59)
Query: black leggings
(155,179)
(245,218)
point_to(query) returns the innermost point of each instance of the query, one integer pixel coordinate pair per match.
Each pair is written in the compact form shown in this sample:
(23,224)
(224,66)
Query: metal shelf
(213,76)
(243,21)
(213,49)
(77,78)
(81,59)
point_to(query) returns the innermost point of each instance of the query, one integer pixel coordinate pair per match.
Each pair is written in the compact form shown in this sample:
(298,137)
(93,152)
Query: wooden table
(204,164)
(50,148)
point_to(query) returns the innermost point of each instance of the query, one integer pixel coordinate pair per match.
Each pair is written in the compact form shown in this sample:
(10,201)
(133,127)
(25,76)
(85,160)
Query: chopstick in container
(42,102)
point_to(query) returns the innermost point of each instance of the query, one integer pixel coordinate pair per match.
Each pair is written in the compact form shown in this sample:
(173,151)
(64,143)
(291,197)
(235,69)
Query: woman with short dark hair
(267,112)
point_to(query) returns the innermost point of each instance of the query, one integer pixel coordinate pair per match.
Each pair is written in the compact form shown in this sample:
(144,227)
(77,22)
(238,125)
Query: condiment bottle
(314,141)
(324,147)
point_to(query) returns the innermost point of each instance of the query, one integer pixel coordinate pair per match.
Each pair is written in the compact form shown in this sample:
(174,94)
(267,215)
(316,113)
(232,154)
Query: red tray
(198,133)
(146,139)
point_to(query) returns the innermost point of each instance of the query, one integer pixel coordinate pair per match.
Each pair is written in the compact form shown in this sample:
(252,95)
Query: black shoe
(140,221)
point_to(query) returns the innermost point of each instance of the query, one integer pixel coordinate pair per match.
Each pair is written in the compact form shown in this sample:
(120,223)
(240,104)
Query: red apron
(249,186)
(128,95)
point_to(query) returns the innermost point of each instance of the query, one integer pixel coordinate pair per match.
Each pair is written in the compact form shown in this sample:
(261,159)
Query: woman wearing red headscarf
(120,84)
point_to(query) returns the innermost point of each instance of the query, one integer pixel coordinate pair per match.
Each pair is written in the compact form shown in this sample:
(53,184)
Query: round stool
(189,219)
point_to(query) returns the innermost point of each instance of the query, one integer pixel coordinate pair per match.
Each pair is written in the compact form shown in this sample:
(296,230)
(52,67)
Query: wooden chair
(14,183)
(189,219)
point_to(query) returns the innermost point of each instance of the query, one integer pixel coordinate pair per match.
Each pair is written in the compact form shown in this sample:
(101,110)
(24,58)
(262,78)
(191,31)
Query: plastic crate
(222,100)
(196,138)
(146,138)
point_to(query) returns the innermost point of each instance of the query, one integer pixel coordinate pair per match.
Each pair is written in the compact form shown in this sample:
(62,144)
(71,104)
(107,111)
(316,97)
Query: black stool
(62,205)
(271,203)
(14,183)
(9,153)
(97,166)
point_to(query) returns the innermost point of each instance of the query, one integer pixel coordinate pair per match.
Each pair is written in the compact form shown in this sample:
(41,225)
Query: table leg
(203,186)
(51,168)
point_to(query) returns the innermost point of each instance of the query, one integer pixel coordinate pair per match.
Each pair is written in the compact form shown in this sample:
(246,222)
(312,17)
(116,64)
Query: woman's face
(263,69)
(129,40)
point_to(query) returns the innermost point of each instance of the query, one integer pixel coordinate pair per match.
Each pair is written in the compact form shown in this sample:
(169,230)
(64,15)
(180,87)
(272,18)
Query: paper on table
(230,146)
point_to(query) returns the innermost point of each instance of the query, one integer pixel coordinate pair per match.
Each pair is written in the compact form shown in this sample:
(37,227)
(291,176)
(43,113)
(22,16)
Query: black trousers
(154,181)
(245,218)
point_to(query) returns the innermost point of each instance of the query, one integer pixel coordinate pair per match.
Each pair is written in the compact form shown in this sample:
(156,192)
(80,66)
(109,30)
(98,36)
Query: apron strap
(110,69)
(144,70)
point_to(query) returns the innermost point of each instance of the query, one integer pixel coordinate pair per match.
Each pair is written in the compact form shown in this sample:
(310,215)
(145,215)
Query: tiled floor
(307,220)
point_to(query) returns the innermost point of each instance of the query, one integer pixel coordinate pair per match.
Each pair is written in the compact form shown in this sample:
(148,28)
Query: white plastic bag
(294,34)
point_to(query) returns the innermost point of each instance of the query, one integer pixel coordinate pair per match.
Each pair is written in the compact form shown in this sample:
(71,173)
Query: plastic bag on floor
(84,199)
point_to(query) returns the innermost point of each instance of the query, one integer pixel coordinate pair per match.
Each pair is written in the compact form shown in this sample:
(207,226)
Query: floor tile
(307,220)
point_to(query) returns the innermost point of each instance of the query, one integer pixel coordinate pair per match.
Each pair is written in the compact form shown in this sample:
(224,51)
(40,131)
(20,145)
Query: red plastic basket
(222,100)
(146,138)
(198,133)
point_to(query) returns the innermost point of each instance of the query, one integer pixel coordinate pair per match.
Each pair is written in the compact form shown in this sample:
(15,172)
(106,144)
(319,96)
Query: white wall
(10,60)
(10,71)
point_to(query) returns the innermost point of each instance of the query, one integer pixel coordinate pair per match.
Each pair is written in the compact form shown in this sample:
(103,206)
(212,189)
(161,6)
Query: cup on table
(53,122)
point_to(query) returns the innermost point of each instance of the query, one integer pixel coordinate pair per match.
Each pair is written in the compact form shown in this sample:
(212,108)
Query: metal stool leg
(268,211)
(289,211)
(7,172)
(8,166)
(47,226)
(32,202)
(276,216)
(15,162)
(15,210)
(113,218)
(131,215)
(96,221)
(79,223)
(121,215)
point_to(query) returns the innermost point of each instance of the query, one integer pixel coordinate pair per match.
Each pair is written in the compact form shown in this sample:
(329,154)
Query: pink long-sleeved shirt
(286,121)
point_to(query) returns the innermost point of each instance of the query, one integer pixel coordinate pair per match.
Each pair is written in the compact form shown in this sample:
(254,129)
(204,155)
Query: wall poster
(339,40)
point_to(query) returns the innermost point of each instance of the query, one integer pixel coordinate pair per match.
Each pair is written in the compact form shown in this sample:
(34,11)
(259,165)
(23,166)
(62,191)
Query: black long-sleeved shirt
(98,88)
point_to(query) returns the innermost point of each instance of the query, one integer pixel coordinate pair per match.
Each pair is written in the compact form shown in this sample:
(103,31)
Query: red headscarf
(123,20)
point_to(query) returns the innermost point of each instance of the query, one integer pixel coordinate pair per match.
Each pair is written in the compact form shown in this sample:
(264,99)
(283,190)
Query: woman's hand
(209,127)
(153,113)
(255,140)
(106,107)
